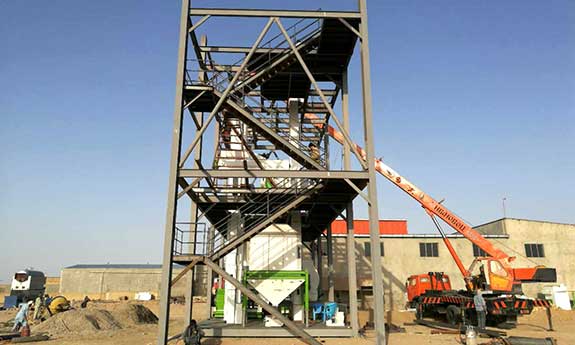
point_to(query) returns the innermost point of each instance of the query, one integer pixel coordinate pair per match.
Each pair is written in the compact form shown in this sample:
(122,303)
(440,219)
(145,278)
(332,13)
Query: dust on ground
(93,320)
(130,326)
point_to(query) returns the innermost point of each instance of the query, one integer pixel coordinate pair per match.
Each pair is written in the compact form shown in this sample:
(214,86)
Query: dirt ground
(533,325)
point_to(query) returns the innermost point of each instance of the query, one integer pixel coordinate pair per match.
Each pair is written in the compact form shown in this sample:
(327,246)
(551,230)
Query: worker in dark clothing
(47,301)
(480,308)
(193,334)
(84,303)
(482,281)
(314,152)
(227,137)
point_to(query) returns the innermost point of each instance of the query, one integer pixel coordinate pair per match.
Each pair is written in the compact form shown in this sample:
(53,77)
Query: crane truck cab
(491,274)
(417,285)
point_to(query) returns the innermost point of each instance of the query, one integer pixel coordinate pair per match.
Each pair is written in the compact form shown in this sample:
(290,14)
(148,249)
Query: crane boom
(431,206)
(500,275)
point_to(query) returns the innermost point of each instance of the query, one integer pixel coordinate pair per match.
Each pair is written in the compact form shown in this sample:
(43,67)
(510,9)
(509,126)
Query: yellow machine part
(58,305)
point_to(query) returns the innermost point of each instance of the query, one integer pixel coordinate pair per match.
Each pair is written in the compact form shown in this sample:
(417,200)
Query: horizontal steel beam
(185,270)
(284,119)
(198,87)
(221,330)
(341,198)
(229,12)
(240,50)
(230,173)
(286,110)
(311,92)
(202,190)
(187,259)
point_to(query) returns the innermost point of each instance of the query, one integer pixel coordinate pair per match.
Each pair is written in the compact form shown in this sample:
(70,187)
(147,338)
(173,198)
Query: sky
(473,101)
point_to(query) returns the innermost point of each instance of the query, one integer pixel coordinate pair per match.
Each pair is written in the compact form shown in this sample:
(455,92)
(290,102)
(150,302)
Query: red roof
(361,227)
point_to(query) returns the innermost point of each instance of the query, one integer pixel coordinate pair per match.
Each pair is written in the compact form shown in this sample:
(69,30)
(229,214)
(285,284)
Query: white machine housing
(28,284)
(276,248)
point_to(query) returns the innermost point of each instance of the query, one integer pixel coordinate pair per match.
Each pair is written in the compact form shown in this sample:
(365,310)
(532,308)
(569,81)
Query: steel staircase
(259,70)
(253,216)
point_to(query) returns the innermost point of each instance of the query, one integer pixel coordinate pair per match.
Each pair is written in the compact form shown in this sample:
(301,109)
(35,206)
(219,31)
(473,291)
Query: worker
(21,319)
(193,334)
(482,281)
(227,137)
(84,303)
(38,304)
(314,152)
(47,301)
(480,308)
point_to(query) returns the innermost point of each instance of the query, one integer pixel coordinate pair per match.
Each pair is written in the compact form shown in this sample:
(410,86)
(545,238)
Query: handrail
(253,209)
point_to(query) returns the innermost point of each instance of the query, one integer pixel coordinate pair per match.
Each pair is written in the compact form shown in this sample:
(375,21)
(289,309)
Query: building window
(478,251)
(367,249)
(534,250)
(428,250)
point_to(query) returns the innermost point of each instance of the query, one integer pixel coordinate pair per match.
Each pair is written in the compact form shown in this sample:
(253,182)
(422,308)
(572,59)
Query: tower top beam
(228,12)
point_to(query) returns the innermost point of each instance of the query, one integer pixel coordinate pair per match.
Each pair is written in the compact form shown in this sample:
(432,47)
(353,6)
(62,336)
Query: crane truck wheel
(452,313)
(418,311)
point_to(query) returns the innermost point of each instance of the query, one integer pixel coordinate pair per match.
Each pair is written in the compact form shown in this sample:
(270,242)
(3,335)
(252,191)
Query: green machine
(276,286)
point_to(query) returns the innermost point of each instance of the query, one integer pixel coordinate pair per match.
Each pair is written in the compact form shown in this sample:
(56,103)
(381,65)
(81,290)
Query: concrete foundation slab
(254,329)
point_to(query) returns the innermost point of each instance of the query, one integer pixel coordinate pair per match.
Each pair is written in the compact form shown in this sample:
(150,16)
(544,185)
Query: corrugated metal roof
(120,266)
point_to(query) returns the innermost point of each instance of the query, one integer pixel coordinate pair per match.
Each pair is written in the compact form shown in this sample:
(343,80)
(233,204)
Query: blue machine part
(10,302)
(326,310)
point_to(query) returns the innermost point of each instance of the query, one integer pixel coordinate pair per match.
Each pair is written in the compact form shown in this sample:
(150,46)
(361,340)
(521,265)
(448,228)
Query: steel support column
(330,270)
(209,274)
(165,288)
(194,207)
(350,239)
(376,268)
(193,227)
(319,263)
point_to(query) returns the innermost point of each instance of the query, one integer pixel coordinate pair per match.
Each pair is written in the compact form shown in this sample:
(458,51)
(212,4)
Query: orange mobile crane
(431,293)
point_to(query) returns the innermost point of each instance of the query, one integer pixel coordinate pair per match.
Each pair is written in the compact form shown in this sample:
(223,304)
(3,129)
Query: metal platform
(321,208)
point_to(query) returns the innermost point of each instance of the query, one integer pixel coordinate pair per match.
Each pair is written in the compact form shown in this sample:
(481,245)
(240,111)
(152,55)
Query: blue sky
(473,102)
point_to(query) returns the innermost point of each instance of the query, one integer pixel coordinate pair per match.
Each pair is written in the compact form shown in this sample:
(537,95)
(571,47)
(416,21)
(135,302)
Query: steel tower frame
(244,100)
